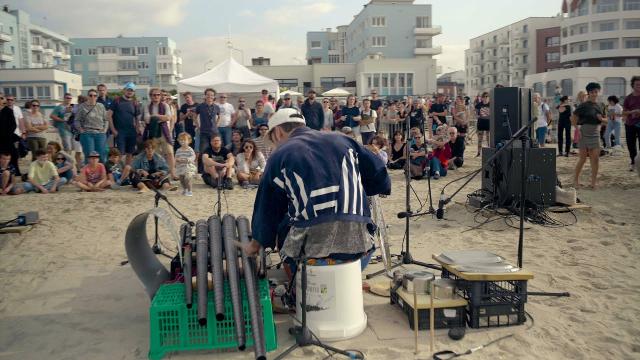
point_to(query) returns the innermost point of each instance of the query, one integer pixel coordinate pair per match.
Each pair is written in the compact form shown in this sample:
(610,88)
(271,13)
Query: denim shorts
(126,143)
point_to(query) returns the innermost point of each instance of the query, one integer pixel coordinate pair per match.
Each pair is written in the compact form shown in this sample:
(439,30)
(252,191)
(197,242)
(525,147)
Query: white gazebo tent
(229,77)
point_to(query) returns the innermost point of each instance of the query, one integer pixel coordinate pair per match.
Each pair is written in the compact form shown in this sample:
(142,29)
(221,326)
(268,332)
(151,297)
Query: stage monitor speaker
(540,176)
(508,102)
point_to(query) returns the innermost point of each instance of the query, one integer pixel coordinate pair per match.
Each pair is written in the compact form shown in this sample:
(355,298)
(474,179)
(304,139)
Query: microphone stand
(160,196)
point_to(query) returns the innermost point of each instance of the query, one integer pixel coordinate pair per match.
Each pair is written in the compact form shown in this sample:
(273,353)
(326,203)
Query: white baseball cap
(285,116)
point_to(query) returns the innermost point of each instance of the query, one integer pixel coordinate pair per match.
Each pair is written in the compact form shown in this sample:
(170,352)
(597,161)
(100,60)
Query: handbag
(366,119)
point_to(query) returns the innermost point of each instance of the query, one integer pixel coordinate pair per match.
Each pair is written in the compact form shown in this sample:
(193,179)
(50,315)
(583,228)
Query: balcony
(490,45)
(491,57)
(48,51)
(519,34)
(57,54)
(5,57)
(503,40)
(476,61)
(119,72)
(37,48)
(178,60)
(65,57)
(520,66)
(428,51)
(520,51)
(503,54)
(428,31)
(169,71)
(5,37)
(36,65)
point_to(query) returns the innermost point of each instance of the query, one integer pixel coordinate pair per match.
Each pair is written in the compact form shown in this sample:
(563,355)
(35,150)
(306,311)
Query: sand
(66,296)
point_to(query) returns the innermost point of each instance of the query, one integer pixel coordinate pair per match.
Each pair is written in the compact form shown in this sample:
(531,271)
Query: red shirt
(631,102)
(443,154)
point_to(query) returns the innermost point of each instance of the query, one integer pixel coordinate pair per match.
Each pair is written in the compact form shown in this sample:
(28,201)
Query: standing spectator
(103,96)
(460,120)
(368,118)
(267,101)
(235,147)
(287,103)
(157,117)
(173,114)
(93,176)
(589,115)
(542,119)
(207,119)
(241,119)
(263,144)
(631,112)
(185,163)
(398,151)
(149,169)
(483,111)
(580,98)
(77,146)
(312,111)
(438,112)
(187,118)
(36,127)
(564,126)
(19,130)
(91,121)
(351,116)
(218,164)
(299,101)
(61,115)
(8,136)
(328,115)
(124,119)
(224,120)
(376,105)
(457,145)
(416,114)
(614,123)
(260,117)
(250,164)
(43,175)
(8,183)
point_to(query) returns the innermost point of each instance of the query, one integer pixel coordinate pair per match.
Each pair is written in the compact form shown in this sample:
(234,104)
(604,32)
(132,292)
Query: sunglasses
(263,129)
(325,102)
(223,97)
(33,105)
(248,147)
(93,95)
(60,159)
(156,94)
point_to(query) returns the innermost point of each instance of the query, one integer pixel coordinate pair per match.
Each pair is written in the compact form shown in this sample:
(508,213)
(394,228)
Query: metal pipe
(185,234)
(215,247)
(202,237)
(253,294)
(262,269)
(231,254)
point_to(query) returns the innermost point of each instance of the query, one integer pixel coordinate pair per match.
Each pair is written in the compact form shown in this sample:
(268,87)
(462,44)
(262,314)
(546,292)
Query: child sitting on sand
(185,163)
(93,176)
(117,171)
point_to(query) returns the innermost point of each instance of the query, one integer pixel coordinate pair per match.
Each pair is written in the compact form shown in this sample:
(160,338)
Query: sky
(274,29)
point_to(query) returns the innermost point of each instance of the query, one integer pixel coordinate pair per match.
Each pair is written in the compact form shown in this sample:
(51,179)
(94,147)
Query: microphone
(441,203)
(404,214)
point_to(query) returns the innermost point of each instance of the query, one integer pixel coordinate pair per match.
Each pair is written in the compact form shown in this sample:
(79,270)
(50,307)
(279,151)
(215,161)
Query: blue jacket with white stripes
(316,177)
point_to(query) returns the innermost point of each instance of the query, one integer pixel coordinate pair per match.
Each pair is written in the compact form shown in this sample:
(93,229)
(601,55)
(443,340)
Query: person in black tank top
(564,126)
(398,151)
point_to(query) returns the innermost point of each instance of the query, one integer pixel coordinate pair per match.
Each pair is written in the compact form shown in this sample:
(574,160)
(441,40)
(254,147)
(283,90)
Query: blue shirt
(208,117)
(349,113)
(125,115)
(313,178)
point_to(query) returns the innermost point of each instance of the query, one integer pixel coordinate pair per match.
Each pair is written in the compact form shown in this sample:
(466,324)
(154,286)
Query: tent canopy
(339,92)
(291,93)
(229,77)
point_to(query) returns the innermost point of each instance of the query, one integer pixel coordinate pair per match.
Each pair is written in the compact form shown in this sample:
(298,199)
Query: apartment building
(146,61)
(506,55)
(24,44)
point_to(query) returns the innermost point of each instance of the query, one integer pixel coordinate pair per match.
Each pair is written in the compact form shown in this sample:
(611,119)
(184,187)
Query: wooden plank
(517,275)
(424,300)
(15,229)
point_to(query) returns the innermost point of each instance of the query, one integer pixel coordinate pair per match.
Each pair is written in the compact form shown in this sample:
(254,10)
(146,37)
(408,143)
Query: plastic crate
(456,319)
(174,327)
(492,303)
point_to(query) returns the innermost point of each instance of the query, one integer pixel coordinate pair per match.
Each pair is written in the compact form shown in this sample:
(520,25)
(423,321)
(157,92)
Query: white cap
(285,116)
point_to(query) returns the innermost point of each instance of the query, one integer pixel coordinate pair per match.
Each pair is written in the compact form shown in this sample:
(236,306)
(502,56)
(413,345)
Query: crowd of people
(114,142)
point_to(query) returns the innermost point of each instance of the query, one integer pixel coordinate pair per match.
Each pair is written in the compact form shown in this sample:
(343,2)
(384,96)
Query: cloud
(287,14)
(104,18)
(247,13)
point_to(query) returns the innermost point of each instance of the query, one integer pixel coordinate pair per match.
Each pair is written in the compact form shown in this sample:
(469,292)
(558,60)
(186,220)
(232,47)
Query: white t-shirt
(543,111)
(370,127)
(17,113)
(616,112)
(226,110)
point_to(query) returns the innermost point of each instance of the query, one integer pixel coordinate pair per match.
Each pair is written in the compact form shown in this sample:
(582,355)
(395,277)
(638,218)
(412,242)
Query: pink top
(94,175)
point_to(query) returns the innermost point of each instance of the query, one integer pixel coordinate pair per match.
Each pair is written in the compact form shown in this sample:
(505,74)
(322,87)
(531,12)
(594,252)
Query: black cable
(5,224)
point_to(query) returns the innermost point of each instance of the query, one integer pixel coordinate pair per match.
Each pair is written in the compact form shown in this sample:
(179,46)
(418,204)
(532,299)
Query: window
(632,43)
(10,91)
(608,26)
(632,24)
(583,64)
(583,8)
(92,66)
(108,50)
(127,51)
(606,63)
(481,43)
(524,59)
(495,39)
(422,43)
(578,47)
(77,67)
(627,62)
(162,50)
(423,22)
(607,6)
(378,21)
(43,92)
(143,65)
(525,28)
(77,51)
(60,92)
(552,41)
(608,44)
(525,44)
(288,83)
(379,41)
(567,86)
(144,80)
(35,40)
(128,64)
(316,44)
(631,5)
(143,50)
(552,57)
(332,45)
(495,52)
(537,87)
(334,59)
(614,86)
(26,92)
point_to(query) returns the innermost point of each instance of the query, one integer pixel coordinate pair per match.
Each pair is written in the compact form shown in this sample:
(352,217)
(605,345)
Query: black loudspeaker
(510,110)
(502,176)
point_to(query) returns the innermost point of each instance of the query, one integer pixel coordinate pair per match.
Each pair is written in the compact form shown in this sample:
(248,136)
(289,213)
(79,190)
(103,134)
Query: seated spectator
(263,144)
(457,145)
(235,147)
(8,184)
(64,162)
(218,164)
(378,146)
(149,169)
(418,158)
(414,131)
(43,175)
(250,164)
(439,162)
(93,176)
(117,170)
(185,163)
(398,151)
(348,131)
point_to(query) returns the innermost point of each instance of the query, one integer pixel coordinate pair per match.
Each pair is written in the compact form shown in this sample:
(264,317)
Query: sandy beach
(66,296)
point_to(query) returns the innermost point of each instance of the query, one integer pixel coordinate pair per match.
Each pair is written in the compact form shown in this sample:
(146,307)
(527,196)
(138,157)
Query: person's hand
(114,132)
(252,248)
(143,173)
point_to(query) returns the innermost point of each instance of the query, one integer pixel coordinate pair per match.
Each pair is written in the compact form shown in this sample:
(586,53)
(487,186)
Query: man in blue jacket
(313,192)
(312,111)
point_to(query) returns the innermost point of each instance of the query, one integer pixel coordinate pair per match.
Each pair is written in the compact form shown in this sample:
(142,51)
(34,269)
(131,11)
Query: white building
(601,43)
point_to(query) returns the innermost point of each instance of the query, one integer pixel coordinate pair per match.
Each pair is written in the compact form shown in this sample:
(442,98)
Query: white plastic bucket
(335,310)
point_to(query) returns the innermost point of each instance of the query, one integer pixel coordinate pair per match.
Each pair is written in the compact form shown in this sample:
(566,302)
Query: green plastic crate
(174,327)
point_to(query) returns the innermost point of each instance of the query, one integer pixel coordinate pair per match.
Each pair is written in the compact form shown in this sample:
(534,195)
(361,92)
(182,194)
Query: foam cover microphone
(440,211)
(404,214)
